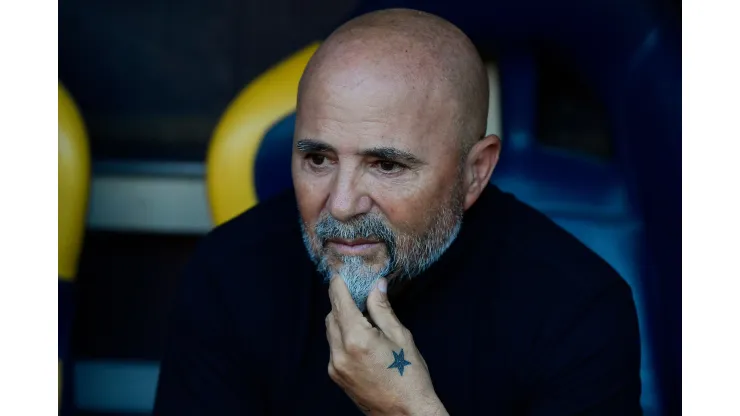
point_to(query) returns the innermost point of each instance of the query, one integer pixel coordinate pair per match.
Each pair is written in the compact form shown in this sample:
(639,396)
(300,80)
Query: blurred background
(176,115)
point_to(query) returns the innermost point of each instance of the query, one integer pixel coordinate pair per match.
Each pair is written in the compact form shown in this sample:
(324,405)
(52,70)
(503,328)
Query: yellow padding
(74,183)
(236,140)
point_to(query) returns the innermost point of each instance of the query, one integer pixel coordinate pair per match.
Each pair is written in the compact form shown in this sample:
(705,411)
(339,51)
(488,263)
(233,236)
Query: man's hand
(379,367)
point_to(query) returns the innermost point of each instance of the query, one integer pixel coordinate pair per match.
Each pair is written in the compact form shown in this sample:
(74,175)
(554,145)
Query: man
(395,280)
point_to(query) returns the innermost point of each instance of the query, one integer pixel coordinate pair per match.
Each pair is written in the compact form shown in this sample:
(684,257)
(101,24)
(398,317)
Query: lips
(352,243)
(353,247)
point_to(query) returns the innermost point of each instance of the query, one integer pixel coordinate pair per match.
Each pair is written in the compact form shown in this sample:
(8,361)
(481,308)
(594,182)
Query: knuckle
(338,365)
(355,345)
(406,334)
(354,348)
(332,371)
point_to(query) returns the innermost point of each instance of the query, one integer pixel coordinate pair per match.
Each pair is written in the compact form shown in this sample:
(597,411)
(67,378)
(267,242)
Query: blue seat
(585,195)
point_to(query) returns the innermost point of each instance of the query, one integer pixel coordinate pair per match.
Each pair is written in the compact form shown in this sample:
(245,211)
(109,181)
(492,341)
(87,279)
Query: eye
(386,166)
(317,160)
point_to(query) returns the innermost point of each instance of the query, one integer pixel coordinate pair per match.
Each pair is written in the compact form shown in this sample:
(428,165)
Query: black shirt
(517,317)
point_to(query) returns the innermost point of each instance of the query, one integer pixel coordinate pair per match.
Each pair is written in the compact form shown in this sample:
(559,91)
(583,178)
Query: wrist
(429,406)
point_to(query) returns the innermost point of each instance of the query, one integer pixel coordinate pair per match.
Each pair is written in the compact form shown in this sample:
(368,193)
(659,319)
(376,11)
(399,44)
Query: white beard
(361,277)
(409,255)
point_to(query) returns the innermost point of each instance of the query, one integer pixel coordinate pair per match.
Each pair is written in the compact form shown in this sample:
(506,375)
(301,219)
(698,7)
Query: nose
(348,197)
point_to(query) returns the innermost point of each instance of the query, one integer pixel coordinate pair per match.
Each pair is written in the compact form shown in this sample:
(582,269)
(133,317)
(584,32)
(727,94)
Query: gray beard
(408,255)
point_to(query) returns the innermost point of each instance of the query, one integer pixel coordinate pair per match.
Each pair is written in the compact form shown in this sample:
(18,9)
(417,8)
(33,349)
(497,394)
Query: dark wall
(152,77)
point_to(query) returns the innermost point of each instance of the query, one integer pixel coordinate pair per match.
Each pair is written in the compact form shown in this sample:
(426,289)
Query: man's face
(376,169)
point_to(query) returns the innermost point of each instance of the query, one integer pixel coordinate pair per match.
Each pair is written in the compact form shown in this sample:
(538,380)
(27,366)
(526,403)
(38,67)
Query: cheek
(408,208)
(310,196)
(309,203)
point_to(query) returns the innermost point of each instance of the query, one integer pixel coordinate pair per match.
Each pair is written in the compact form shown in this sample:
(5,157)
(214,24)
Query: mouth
(356,247)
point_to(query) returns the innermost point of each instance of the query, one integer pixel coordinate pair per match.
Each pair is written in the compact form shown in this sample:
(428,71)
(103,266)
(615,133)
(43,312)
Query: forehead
(377,105)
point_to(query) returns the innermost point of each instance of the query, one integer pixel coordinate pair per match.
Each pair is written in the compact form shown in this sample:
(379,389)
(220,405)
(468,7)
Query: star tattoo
(399,361)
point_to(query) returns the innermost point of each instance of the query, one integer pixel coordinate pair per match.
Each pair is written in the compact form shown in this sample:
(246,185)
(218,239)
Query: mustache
(368,226)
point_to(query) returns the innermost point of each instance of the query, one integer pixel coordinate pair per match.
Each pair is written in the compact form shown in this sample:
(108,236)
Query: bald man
(394,279)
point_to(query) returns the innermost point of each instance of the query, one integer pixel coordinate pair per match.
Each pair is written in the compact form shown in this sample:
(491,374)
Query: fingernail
(382,285)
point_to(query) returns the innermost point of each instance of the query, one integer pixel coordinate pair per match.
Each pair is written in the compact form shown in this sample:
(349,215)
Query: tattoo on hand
(399,361)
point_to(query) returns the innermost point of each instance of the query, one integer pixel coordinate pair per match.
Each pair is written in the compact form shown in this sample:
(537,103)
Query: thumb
(382,313)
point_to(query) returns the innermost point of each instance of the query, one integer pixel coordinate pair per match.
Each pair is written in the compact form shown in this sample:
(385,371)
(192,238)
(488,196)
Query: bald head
(388,146)
(414,53)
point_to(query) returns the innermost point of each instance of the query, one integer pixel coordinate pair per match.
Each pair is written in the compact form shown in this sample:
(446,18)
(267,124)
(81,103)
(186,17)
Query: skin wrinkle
(394,79)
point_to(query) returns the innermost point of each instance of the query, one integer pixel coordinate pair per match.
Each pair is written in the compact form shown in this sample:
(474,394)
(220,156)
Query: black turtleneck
(516,318)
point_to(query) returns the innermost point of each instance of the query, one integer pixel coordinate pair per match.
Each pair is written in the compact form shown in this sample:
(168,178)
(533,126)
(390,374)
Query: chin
(340,264)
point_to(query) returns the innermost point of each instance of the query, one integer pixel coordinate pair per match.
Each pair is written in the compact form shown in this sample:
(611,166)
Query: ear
(479,165)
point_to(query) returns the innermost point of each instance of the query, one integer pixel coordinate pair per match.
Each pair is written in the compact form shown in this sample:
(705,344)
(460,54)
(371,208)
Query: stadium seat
(254,128)
(585,195)
(73,188)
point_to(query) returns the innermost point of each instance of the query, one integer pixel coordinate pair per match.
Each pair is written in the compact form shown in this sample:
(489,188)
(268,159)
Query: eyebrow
(392,154)
(386,153)
(313,146)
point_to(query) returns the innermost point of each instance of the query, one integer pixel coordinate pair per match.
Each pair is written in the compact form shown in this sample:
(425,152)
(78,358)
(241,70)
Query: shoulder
(544,255)
(554,276)
(271,222)
(263,240)
(252,260)
(577,314)
(225,310)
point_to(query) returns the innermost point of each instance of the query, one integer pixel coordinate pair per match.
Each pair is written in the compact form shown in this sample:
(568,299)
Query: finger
(332,371)
(382,313)
(345,310)
(333,335)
